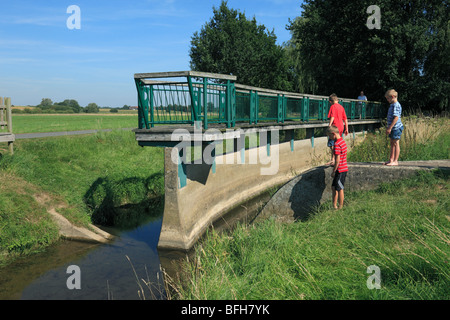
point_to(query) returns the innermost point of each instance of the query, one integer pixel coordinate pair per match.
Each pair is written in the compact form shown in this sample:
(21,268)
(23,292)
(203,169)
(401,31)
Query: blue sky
(40,57)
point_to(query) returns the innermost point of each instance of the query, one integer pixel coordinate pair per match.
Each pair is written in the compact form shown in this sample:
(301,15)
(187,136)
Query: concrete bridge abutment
(198,194)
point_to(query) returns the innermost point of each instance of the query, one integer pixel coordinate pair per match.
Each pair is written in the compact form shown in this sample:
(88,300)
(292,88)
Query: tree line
(66,106)
(332,49)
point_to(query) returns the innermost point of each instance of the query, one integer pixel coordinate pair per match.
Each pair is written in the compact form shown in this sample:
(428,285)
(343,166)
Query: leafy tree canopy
(335,51)
(231,44)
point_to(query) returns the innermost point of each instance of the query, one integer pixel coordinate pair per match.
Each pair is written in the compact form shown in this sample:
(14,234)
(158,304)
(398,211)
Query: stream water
(105,272)
(112,271)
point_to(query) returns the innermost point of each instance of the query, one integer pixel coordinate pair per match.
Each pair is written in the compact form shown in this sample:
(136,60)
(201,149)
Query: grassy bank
(25,225)
(105,178)
(402,228)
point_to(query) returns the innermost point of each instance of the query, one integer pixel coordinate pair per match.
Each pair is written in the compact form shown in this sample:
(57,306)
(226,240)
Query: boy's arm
(394,121)
(336,164)
(331,121)
(346,127)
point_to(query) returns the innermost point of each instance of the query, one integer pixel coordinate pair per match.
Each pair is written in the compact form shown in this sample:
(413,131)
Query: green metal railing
(188,96)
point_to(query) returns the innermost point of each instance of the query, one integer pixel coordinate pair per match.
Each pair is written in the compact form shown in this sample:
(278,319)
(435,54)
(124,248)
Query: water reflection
(105,271)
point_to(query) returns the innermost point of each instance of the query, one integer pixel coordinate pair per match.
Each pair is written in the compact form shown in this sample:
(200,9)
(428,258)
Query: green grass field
(31,123)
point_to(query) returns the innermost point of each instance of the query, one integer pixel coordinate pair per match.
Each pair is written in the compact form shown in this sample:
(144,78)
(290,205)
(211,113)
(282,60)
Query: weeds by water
(148,289)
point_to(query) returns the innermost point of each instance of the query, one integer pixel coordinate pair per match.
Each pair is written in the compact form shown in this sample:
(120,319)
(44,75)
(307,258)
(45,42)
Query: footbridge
(226,143)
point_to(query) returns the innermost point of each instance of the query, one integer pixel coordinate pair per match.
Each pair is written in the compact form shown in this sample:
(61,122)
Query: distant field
(31,123)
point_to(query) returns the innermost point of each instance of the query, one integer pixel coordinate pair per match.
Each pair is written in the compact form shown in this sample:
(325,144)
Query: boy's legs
(395,146)
(337,188)
(341,198)
(335,195)
(391,153)
(395,153)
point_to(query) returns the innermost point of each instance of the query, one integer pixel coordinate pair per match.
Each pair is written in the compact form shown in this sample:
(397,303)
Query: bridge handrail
(216,98)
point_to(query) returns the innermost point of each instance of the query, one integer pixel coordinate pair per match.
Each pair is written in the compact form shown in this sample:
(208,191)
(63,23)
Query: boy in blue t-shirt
(394,126)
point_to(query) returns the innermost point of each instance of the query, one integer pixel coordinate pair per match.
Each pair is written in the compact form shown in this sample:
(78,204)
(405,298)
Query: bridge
(226,143)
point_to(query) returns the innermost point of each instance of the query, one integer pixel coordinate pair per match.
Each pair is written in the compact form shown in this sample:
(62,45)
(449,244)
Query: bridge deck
(164,134)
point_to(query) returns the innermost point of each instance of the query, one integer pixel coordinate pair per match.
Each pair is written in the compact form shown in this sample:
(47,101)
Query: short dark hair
(333,97)
(332,129)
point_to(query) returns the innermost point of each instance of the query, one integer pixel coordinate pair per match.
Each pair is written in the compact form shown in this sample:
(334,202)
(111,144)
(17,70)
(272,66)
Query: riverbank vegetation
(103,178)
(402,228)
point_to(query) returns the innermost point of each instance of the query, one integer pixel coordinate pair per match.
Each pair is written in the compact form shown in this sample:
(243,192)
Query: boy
(337,117)
(340,166)
(394,126)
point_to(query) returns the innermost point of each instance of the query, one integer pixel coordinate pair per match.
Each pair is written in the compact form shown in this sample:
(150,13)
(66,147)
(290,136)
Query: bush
(125,202)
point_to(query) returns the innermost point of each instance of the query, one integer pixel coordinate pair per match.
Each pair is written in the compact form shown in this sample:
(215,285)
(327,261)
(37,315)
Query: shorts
(330,143)
(339,180)
(396,133)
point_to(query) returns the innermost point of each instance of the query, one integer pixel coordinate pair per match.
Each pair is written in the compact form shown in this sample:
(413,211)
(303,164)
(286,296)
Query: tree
(341,54)
(231,44)
(92,108)
(301,78)
(436,68)
(46,103)
(70,104)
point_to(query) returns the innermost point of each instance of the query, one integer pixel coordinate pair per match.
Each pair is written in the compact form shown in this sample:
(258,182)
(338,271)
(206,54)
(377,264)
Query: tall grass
(403,228)
(422,139)
(80,168)
(25,225)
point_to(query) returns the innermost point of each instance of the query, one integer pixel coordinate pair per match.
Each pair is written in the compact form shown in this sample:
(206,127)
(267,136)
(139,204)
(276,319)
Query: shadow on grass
(126,203)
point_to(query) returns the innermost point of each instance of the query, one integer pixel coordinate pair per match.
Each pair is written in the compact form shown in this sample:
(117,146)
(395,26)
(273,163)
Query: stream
(104,270)
(112,271)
